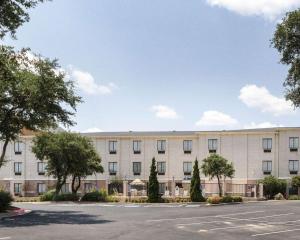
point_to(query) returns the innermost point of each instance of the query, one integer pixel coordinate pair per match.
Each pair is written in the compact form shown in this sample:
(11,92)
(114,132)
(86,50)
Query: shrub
(226,199)
(5,200)
(279,196)
(112,199)
(214,200)
(48,196)
(66,197)
(294,197)
(272,186)
(237,199)
(95,196)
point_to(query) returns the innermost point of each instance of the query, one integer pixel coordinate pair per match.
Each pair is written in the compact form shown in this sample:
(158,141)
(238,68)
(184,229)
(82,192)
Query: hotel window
(112,168)
(267,144)
(187,168)
(18,168)
(136,147)
(88,187)
(18,147)
(162,188)
(17,188)
(267,167)
(65,188)
(41,168)
(112,145)
(294,144)
(212,145)
(41,188)
(136,168)
(293,166)
(161,168)
(161,146)
(187,146)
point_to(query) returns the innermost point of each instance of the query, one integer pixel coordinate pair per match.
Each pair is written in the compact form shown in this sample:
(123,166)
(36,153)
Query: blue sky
(167,65)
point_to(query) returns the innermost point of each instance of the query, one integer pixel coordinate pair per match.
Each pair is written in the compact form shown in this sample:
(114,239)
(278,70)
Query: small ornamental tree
(153,184)
(215,166)
(273,186)
(195,190)
(296,183)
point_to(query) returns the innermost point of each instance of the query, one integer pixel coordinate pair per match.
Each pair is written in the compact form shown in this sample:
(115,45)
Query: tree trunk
(2,157)
(75,188)
(59,185)
(220,186)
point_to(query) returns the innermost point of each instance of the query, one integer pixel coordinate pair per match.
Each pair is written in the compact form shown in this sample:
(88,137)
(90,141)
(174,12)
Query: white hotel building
(127,156)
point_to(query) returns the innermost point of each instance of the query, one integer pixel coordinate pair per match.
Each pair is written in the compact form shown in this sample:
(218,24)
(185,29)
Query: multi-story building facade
(127,156)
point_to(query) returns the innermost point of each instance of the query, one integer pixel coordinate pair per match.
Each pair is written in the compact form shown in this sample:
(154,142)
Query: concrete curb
(14,213)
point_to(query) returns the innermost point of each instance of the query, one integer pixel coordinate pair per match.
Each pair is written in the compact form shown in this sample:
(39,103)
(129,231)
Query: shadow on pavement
(40,218)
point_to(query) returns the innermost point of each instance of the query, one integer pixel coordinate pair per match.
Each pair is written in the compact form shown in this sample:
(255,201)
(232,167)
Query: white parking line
(3,238)
(270,233)
(216,216)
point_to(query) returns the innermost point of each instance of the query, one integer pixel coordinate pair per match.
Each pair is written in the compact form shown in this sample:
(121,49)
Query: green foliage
(66,197)
(296,181)
(215,166)
(227,199)
(34,95)
(47,196)
(287,41)
(237,199)
(153,195)
(195,189)
(14,14)
(67,154)
(95,196)
(294,197)
(5,200)
(224,199)
(272,186)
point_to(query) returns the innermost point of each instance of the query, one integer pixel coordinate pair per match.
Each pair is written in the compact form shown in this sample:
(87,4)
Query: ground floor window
(17,188)
(41,188)
(162,188)
(293,166)
(88,187)
(65,188)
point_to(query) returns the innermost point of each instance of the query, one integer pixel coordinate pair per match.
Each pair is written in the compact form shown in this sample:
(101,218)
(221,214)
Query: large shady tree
(67,155)
(216,166)
(287,41)
(34,95)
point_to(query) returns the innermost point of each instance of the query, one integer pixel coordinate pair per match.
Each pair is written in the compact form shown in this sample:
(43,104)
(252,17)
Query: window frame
(19,168)
(88,189)
(38,188)
(65,188)
(189,145)
(113,144)
(19,188)
(18,147)
(162,188)
(43,172)
(114,168)
(161,168)
(294,171)
(268,163)
(138,145)
(293,147)
(267,148)
(212,144)
(161,146)
(186,168)
(139,167)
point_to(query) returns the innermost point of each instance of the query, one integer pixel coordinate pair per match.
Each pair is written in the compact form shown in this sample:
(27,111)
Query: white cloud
(216,119)
(91,130)
(86,82)
(270,9)
(260,98)
(262,125)
(162,111)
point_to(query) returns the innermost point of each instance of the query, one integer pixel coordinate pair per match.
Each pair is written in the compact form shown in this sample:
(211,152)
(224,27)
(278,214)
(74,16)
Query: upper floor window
(18,168)
(18,147)
(112,168)
(41,167)
(212,145)
(267,167)
(187,168)
(136,146)
(161,146)
(294,144)
(136,168)
(161,168)
(17,188)
(41,188)
(112,145)
(187,146)
(294,166)
(267,144)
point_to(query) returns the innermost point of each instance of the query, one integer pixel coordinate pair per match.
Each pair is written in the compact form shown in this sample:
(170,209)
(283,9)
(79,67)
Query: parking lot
(263,220)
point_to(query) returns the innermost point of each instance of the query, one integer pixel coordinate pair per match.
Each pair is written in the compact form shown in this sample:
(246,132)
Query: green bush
(237,199)
(294,197)
(66,197)
(5,200)
(95,196)
(226,199)
(272,186)
(279,196)
(48,196)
